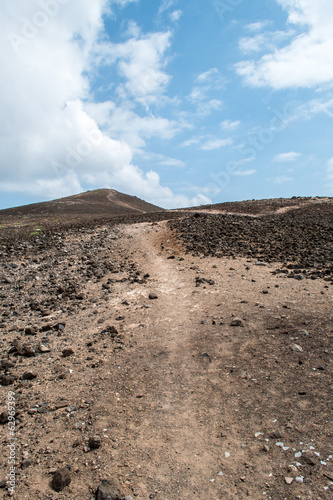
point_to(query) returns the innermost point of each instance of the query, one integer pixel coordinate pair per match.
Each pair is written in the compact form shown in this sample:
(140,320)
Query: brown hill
(81,210)
(101,202)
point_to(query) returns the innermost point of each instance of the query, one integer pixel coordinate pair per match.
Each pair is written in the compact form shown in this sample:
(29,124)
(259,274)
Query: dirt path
(175,432)
(113,196)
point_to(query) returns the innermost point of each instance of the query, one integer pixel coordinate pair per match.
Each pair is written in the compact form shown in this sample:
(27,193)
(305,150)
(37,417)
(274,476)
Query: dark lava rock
(46,328)
(59,326)
(7,380)
(275,435)
(153,296)
(61,479)
(22,349)
(4,417)
(28,351)
(308,459)
(6,364)
(29,375)
(95,442)
(111,330)
(67,352)
(303,237)
(30,330)
(106,491)
(237,322)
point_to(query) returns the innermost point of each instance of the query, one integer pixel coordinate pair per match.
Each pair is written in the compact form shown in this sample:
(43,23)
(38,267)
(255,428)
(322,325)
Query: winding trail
(178,430)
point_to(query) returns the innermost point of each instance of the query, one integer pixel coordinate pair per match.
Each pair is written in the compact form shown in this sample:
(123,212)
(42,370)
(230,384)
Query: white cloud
(258,26)
(66,185)
(176,15)
(141,61)
(244,172)
(208,107)
(172,162)
(208,75)
(122,3)
(202,95)
(264,41)
(52,141)
(230,125)
(287,157)
(216,144)
(166,5)
(282,179)
(190,142)
(128,126)
(307,61)
(201,199)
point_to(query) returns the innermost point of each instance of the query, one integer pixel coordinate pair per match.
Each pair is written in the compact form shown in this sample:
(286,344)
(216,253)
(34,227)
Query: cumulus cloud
(307,60)
(202,95)
(55,140)
(190,142)
(243,173)
(230,125)
(166,5)
(140,62)
(258,26)
(216,144)
(126,125)
(287,157)
(176,15)
(264,41)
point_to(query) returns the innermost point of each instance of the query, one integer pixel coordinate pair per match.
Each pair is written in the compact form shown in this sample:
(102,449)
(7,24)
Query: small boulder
(7,380)
(237,322)
(67,352)
(275,435)
(61,479)
(309,458)
(29,375)
(30,330)
(4,417)
(6,364)
(106,491)
(95,442)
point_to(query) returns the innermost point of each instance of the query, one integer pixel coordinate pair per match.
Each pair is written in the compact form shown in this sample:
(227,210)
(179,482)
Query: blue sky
(179,103)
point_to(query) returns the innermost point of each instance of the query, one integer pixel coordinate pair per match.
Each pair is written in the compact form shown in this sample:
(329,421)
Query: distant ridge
(100,203)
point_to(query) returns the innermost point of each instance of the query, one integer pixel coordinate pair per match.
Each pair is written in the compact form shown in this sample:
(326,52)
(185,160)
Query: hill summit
(100,202)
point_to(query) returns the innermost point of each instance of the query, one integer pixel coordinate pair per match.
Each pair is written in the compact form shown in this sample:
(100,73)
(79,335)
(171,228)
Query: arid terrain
(171,355)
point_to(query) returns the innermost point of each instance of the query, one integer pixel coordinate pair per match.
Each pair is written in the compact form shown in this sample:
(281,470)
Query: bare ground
(187,405)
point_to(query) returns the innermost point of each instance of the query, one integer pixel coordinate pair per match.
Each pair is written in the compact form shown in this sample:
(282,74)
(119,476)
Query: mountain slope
(101,202)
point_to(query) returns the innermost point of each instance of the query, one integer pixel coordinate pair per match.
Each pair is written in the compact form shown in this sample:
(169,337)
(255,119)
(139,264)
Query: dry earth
(186,405)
